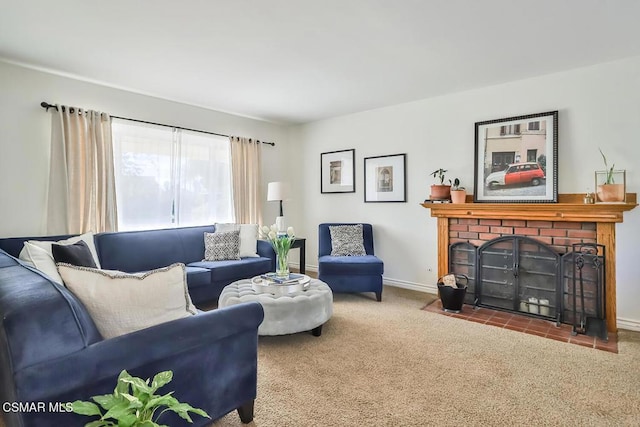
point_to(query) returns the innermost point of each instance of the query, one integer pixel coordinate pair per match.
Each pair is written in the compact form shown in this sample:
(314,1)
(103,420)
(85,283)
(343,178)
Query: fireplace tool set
(588,266)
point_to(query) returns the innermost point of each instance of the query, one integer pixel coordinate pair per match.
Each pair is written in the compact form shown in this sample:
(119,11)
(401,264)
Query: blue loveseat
(134,251)
(51,350)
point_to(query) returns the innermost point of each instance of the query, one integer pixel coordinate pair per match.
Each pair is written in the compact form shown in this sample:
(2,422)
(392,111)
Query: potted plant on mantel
(458,193)
(610,183)
(440,191)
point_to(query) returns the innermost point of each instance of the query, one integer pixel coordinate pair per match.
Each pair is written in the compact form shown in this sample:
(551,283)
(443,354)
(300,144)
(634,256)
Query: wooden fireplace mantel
(570,207)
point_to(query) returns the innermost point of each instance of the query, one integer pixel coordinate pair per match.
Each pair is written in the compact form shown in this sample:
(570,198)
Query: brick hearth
(527,325)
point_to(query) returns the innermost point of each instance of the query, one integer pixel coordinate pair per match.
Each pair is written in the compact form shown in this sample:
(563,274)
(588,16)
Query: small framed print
(385,178)
(516,159)
(338,172)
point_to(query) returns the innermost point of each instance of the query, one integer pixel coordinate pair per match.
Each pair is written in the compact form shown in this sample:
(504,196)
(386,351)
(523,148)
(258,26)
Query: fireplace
(557,225)
(525,276)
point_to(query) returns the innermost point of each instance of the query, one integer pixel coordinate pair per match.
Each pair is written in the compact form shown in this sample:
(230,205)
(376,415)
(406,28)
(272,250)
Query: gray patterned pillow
(347,240)
(222,246)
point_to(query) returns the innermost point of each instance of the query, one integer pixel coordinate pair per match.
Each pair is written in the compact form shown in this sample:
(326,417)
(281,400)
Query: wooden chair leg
(379,296)
(246,412)
(316,332)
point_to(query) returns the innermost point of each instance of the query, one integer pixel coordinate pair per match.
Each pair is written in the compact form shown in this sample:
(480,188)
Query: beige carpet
(392,364)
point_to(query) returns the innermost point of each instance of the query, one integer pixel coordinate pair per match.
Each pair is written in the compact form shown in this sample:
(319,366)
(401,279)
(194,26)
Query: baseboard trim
(628,324)
(420,287)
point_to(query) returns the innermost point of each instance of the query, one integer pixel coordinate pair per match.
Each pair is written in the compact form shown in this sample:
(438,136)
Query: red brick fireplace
(559,235)
(556,224)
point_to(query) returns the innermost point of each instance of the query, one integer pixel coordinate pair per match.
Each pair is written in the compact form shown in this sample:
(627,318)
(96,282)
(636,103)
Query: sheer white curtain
(81,195)
(246,172)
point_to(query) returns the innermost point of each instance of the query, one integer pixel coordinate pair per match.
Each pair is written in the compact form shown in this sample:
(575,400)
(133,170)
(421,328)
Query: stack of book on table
(293,278)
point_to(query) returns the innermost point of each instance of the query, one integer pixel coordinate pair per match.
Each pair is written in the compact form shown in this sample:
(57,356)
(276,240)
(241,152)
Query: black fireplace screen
(520,274)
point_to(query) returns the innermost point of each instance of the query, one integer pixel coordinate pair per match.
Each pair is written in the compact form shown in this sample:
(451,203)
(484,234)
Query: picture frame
(385,178)
(516,159)
(338,171)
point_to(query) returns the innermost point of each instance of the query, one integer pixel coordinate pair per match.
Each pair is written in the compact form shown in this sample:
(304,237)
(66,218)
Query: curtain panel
(246,172)
(81,196)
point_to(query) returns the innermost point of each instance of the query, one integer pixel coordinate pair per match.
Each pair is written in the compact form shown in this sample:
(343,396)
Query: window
(532,155)
(501,160)
(168,177)
(510,130)
(534,125)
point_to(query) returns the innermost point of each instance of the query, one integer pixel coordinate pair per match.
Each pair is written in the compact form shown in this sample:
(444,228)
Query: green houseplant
(134,403)
(440,191)
(458,193)
(607,189)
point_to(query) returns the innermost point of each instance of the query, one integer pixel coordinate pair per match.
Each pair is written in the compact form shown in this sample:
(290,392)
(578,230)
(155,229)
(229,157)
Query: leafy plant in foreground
(134,403)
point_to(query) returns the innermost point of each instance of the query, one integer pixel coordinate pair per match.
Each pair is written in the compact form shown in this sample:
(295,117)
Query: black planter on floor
(453,298)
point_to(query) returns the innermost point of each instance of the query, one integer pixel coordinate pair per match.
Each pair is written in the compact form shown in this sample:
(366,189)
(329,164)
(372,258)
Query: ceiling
(296,61)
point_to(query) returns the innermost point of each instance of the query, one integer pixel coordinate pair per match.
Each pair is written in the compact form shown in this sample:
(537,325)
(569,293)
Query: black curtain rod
(46,106)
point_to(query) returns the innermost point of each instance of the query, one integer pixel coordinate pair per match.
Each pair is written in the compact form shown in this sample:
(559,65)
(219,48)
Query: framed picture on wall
(385,178)
(516,159)
(338,171)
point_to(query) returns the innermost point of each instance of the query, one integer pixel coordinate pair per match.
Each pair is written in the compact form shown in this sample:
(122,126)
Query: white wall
(25,136)
(598,107)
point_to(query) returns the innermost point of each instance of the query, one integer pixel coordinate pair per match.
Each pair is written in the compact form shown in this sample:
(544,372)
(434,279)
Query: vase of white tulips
(281,244)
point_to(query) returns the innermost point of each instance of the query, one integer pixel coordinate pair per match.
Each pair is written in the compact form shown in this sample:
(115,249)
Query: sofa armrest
(266,250)
(230,331)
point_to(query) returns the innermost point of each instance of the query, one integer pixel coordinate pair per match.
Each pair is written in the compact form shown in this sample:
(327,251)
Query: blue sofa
(134,251)
(51,350)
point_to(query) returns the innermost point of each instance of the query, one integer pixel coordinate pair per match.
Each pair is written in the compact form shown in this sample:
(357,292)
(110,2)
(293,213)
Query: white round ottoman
(296,312)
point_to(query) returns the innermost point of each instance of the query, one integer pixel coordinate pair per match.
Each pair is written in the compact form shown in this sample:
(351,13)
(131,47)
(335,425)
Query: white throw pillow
(248,237)
(120,303)
(37,253)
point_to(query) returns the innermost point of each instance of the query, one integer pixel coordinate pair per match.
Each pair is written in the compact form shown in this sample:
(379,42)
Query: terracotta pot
(610,193)
(458,196)
(440,192)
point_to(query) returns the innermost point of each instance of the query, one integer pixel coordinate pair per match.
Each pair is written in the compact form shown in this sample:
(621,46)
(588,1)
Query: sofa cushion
(222,246)
(248,237)
(353,265)
(134,251)
(235,270)
(120,303)
(37,253)
(347,240)
(76,254)
(197,276)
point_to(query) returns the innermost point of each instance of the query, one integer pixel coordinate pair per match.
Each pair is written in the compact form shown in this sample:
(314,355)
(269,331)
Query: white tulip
(265,229)
(274,228)
(272,235)
(290,232)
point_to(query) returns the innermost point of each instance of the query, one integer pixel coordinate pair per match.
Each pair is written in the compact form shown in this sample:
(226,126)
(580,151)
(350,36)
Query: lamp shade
(276,191)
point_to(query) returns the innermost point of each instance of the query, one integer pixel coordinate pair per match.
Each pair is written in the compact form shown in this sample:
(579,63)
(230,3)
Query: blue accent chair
(349,273)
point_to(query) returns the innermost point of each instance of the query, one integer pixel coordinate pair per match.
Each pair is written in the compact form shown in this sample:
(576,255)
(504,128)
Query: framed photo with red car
(516,159)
